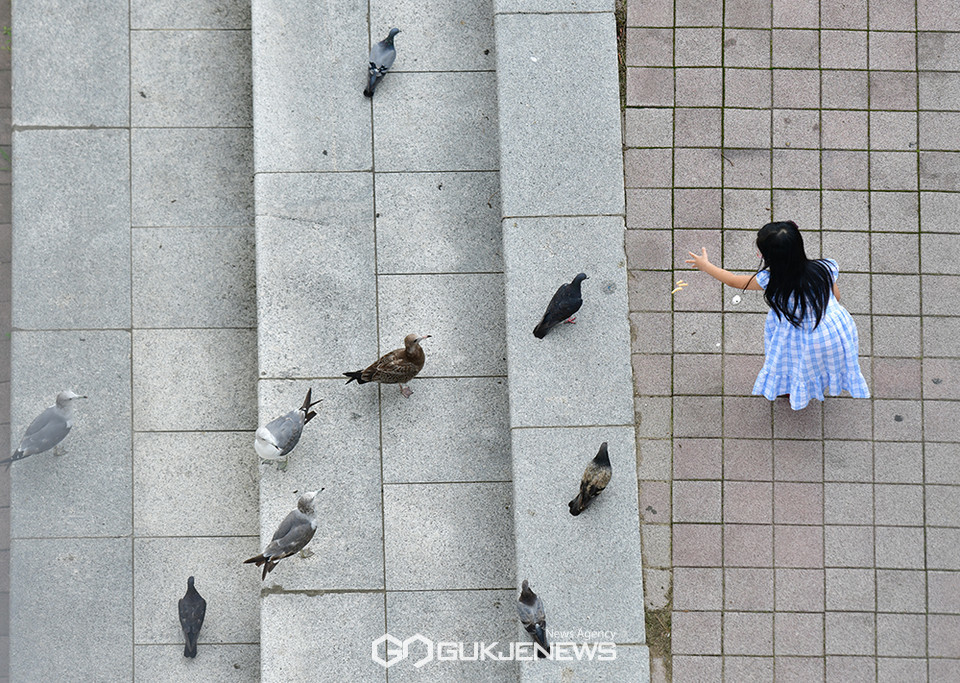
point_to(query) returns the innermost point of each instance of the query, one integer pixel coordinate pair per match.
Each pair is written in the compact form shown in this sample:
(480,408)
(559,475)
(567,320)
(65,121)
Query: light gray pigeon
(534,618)
(381,59)
(192,608)
(48,429)
(561,308)
(278,438)
(292,536)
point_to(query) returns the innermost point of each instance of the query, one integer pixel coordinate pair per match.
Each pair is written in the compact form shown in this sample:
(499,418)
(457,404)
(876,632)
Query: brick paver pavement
(822,544)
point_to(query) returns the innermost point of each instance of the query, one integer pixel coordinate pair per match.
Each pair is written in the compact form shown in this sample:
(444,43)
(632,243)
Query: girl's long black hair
(797,284)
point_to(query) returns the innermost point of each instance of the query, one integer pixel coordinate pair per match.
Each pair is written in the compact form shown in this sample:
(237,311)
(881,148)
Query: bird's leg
(406,391)
(306,553)
(572,320)
(282,464)
(58,451)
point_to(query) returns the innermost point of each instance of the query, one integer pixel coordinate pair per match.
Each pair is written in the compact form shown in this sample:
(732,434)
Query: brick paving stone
(748,669)
(897,670)
(748,459)
(851,589)
(797,503)
(695,668)
(655,501)
(795,460)
(747,502)
(943,632)
(696,633)
(851,669)
(748,633)
(799,669)
(697,589)
(748,589)
(850,633)
(696,545)
(848,546)
(848,460)
(798,546)
(901,635)
(902,590)
(799,634)
(747,545)
(697,458)
(696,501)
(848,503)
(900,504)
(799,590)
(900,547)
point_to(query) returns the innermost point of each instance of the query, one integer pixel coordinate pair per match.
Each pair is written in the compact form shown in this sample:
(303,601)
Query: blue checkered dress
(808,362)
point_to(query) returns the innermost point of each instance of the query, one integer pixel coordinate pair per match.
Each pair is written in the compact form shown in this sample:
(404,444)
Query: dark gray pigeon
(192,610)
(48,429)
(278,438)
(595,479)
(534,619)
(292,536)
(381,59)
(561,308)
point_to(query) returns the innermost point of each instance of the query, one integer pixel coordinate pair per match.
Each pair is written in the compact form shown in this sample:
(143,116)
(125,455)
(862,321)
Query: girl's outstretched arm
(701,262)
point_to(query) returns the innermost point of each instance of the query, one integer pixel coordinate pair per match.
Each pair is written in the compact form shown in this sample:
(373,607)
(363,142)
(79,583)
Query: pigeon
(595,479)
(278,438)
(533,618)
(381,59)
(48,429)
(292,536)
(396,367)
(192,608)
(561,308)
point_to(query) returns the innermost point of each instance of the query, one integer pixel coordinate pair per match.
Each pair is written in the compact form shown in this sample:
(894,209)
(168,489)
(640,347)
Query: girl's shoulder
(763,277)
(832,267)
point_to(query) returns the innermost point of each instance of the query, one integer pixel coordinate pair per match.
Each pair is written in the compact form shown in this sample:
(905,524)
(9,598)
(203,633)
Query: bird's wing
(286,430)
(383,56)
(391,369)
(45,432)
(192,611)
(294,532)
(560,307)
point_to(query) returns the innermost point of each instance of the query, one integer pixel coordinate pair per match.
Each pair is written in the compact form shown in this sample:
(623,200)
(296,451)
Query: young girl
(810,340)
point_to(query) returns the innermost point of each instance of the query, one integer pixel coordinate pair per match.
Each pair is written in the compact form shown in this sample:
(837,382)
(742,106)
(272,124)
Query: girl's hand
(699,261)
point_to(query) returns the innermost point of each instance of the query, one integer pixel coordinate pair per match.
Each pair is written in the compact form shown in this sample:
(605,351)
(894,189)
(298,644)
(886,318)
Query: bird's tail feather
(355,376)
(307,405)
(258,560)
(540,638)
(190,647)
(540,331)
(576,505)
(372,86)
(17,455)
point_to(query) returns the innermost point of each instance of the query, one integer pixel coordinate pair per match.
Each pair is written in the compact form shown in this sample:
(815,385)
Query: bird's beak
(426,336)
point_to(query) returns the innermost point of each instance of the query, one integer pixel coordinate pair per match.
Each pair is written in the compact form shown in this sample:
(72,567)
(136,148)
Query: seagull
(595,479)
(192,608)
(278,438)
(396,367)
(561,308)
(292,536)
(381,59)
(48,429)
(534,619)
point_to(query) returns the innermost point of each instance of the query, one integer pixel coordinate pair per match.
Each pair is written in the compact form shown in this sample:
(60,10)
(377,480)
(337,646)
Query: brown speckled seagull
(396,367)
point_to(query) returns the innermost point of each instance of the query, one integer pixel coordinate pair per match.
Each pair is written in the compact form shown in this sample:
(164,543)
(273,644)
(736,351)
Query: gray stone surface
(86,491)
(316,317)
(587,569)
(192,177)
(194,379)
(591,384)
(160,569)
(308,105)
(560,139)
(57,574)
(414,110)
(420,446)
(438,223)
(543,6)
(198,14)
(462,312)
(312,636)
(437,35)
(209,272)
(221,663)
(338,451)
(632,664)
(454,616)
(71,255)
(194,484)
(72,59)
(168,89)
(448,536)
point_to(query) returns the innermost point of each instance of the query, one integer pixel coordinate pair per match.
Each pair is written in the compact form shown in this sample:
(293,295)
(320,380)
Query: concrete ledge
(563,212)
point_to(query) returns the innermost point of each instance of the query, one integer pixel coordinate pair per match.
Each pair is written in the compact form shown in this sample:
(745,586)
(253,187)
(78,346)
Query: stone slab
(190,78)
(339,450)
(593,382)
(195,484)
(58,574)
(71,247)
(233,14)
(632,663)
(450,430)
(222,663)
(308,105)
(315,274)
(192,177)
(548,6)
(461,312)
(587,569)
(438,223)
(194,379)
(448,536)
(454,616)
(559,113)
(161,567)
(209,272)
(413,111)
(445,36)
(88,487)
(301,632)
(74,57)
